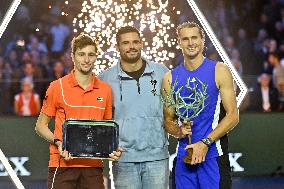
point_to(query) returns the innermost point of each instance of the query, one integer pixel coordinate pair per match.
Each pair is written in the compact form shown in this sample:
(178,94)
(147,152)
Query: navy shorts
(214,173)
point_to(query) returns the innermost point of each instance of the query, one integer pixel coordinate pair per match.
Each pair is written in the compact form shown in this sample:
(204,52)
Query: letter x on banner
(243,89)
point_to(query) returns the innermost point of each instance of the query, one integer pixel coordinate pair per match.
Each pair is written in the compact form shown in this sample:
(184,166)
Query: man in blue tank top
(209,167)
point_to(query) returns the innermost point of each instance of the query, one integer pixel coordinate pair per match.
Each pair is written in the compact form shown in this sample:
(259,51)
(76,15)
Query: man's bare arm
(170,118)
(224,81)
(43,131)
(42,127)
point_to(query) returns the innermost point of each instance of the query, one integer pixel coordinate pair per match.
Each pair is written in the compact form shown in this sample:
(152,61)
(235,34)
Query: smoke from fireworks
(102,18)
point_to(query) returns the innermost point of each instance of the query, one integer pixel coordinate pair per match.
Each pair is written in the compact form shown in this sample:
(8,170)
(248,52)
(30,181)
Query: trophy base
(188,157)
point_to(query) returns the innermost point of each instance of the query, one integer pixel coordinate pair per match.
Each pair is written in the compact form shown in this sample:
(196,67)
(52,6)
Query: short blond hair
(190,25)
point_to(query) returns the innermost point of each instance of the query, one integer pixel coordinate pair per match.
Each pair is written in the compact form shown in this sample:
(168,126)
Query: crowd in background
(34,50)
(252,33)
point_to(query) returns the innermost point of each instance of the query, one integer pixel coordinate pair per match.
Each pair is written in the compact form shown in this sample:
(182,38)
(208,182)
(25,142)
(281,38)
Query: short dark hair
(126,29)
(190,25)
(82,41)
(275,55)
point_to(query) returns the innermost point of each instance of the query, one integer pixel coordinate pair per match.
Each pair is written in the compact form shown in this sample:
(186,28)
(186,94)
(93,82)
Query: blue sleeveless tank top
(207,119)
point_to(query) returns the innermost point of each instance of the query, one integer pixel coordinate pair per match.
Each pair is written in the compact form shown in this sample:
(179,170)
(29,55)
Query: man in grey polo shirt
(139,113)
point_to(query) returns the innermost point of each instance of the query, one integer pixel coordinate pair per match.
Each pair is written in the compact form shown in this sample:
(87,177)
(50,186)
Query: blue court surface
(258,182)
(238,183)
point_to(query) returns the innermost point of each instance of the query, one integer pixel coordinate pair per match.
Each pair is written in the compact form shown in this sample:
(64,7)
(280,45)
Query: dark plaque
(90,138)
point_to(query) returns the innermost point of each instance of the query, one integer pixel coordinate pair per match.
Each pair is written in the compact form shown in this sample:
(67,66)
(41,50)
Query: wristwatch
(208,141)
(56,140)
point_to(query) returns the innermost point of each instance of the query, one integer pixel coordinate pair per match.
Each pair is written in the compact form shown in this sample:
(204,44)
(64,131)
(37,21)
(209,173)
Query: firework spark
(101,19)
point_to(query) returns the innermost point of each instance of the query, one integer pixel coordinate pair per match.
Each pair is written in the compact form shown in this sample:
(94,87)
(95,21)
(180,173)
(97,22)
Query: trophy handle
(189,139)
(188,157)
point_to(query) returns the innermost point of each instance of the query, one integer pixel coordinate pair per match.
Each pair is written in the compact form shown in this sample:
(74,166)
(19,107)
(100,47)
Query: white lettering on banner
(3,173)
(19,166)
(236,167)
(233,157)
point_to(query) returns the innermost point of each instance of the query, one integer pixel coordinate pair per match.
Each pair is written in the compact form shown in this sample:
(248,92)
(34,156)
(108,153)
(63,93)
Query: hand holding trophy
(186,107)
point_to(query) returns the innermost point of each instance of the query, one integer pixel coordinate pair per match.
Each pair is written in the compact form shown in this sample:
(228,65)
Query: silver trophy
(187,107)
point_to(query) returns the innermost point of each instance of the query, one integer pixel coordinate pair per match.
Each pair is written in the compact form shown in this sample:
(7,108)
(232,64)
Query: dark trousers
(75,178)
